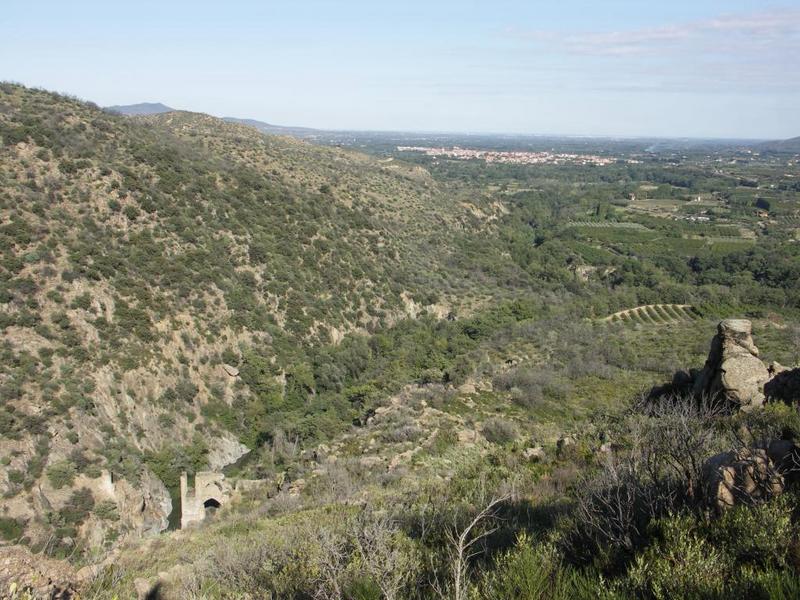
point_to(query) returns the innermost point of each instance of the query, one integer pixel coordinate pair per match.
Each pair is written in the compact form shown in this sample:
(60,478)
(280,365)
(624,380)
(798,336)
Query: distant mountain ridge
(142,108)
(300,132)
(791,145)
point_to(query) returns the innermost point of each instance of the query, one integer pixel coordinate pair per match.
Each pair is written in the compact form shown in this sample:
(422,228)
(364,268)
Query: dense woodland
(404,331)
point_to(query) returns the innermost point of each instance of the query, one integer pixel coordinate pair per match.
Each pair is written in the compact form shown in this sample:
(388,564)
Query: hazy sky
(604,67)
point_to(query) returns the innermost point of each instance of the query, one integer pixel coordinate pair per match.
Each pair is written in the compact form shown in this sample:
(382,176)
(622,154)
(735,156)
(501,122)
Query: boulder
(736,476)
(534,454)
(563,442)
(230,370)
(224,450)
(733,369)
(296,487)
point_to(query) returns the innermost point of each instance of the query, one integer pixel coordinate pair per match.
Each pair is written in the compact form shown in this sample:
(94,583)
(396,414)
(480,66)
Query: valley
(383,351)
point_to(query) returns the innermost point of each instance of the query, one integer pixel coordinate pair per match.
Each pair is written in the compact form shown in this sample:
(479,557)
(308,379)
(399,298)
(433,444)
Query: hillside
(790,146)
(141,255)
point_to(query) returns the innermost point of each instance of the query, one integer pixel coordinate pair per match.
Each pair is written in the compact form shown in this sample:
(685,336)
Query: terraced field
(608,225)
(655,314)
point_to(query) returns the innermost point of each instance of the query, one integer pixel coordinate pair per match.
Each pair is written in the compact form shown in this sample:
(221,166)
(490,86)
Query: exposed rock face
(225,450)
(732,477)
(146,508)
(733,369)
(41,576)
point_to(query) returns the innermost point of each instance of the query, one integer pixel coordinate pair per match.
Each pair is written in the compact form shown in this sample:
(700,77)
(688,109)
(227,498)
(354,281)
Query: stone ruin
(211,492)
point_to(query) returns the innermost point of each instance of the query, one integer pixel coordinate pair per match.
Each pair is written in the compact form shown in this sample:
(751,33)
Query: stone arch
(208,494)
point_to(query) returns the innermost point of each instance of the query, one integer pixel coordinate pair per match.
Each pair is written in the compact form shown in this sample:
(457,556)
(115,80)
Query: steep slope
(146,261)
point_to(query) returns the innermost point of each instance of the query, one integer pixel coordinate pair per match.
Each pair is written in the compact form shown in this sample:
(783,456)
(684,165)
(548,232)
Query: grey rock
(733,477)
(733,369)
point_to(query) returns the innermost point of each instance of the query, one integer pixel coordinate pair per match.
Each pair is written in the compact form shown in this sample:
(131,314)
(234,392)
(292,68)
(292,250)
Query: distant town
(514,157)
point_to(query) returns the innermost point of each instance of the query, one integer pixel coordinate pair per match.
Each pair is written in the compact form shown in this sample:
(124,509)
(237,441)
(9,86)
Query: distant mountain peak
(142,108)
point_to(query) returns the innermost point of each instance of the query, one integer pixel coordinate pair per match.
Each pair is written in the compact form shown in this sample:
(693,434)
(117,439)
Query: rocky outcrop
(535,454)
(733,369)
(144,509)
(224,450)
(740,476)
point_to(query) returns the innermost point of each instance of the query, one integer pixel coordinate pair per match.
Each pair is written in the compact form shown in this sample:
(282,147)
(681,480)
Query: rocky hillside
(162,275)
(706,476)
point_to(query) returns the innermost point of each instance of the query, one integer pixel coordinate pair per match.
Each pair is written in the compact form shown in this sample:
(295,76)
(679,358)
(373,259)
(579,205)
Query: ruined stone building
(210,492)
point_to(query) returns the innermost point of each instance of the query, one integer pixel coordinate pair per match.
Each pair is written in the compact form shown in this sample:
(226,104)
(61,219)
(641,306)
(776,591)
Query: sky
(677,68)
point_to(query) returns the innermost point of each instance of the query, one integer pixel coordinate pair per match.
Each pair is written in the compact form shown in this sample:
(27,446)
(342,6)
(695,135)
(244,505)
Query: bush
(403,433)
(185,390)
(11,529)
(61,474)
(77,507)
(527,572)
(83,301)
(107,510)
(499,431)
(758,535)
(681,564)
(329,555)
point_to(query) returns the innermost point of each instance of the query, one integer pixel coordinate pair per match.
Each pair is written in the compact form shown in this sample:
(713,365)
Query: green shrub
(528,572)
(775,585)
(131,212)
(499,431)
(681,564)
(758,535)
(77,507)
(107,510)
(11,529)
(61,474)
(83,301)
(186,391)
